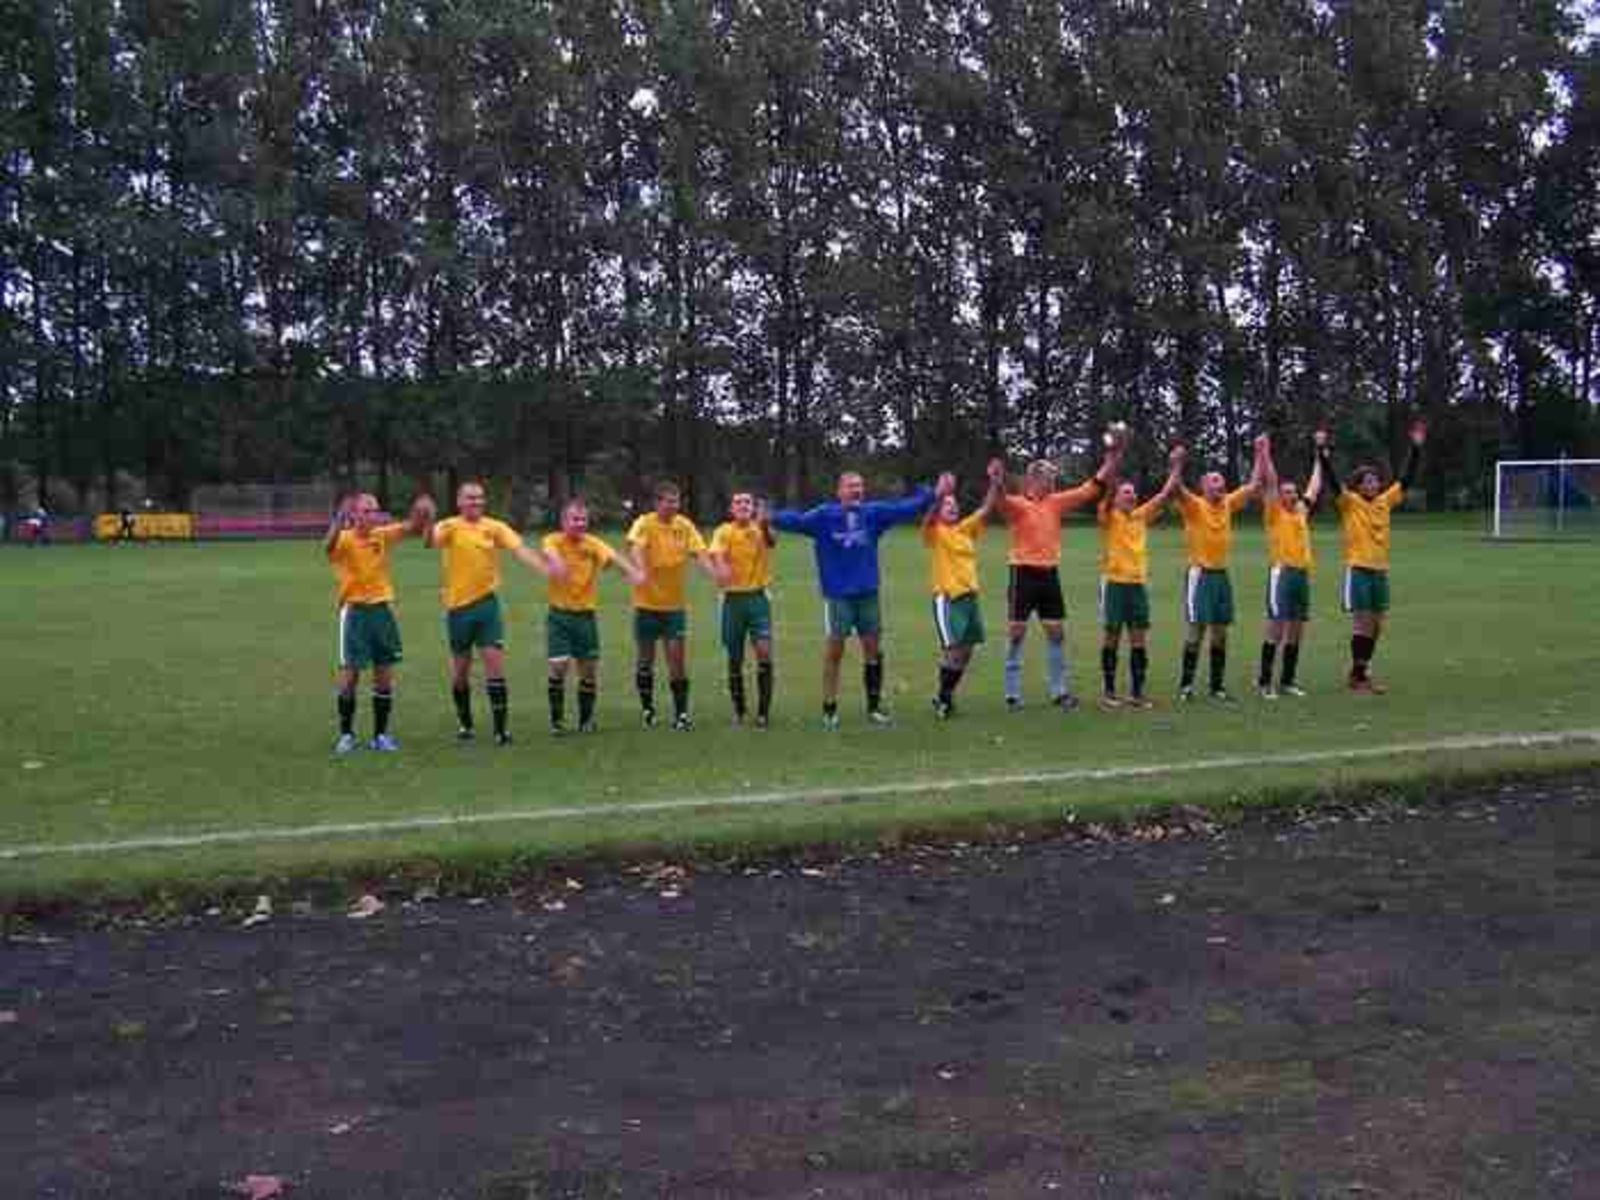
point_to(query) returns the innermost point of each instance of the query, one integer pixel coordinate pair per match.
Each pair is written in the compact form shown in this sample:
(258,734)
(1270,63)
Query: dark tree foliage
(582,246)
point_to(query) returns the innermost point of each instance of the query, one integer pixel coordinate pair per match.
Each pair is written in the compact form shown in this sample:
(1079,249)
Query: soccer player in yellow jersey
(1034,516)
(1286,515)
(572,634)
(1364,509)
(952,542)
(470,544)
(358,551)
(1208,592)
(1124,571)
(663,542)
(741,558)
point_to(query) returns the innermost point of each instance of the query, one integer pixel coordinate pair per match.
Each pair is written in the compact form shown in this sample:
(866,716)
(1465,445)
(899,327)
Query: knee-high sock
(1191,660)
(1291,662)
(463,701)
(1269,651)
(872,681)
(499,704)
(1056,660)
(1108,668)
(382,706)
(347,712)
(680,697)
(1138,664)
(588,692)
(557,692)
(1219,666)
(736,687)
(949,679)
(1014,670)
(644,679)
(764,688)
(1361,650)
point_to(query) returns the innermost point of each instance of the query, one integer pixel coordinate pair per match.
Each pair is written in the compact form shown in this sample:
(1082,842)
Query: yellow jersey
(748,556)
(953,561)
(585,558)
(1208,527)
(665,548)
(361,564)
(1123,556)
(1036,524)
(471,562)
(1366,526)
(1288,534)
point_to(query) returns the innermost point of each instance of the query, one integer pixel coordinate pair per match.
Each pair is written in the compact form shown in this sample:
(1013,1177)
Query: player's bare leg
(644,681)
(1272,636)
(951,668)
(1016,635)
(763,648)
(1057,673)
(556,691)
(1365,629)
(382,706)
(1191,660)
(679,681)
(1218,636)
(494,682)
(461,694)
(1138,667)
(832,659)
(349,679)
(872,678)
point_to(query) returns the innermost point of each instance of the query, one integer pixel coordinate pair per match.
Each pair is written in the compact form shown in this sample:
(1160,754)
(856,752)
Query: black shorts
(1035,590)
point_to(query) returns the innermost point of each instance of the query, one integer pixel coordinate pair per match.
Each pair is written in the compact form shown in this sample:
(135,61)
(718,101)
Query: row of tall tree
(573,245)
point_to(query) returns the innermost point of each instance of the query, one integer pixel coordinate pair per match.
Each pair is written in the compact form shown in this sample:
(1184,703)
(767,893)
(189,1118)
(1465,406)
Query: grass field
(187,689)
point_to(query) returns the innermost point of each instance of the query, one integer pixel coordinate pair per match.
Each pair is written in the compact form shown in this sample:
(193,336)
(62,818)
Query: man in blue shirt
(845,536)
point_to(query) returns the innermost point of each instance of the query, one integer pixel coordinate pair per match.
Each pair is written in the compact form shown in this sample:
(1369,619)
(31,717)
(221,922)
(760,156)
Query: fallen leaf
(9,1016)
(258,1187)
(341,1127)
(1167,898)
(32,764)
(368,906)
(555,906)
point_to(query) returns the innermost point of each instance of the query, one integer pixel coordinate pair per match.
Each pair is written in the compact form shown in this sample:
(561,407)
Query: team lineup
(663,544)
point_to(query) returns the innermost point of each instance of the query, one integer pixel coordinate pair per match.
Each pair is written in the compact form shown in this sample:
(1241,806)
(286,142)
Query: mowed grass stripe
(329,831)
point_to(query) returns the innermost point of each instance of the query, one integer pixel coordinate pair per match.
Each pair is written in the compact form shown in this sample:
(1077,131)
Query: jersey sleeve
(636,535)
(391,532)
(1239,499)
(1393,494)
(930,534)
(882,514)
(602,550)
(442,533)
(1146,512)
(791,520)
(719,540)
(973,525)
(697,544)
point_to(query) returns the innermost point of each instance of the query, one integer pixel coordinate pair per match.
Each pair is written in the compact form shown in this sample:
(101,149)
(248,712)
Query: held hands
(1418,433)
(945,485)
(996,471)
(1321,440)
(1177,455)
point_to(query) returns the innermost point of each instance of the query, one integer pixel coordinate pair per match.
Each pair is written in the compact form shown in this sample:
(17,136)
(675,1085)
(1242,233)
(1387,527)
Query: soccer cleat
(503,739)
(943,710)
(1221,696)
(1110,702)
(588,727)
(1141,702)
(1013,703)
(1185,695)
(465,734)
(683,723)
(762,721)
(1367,687)
(384,743)
(879,718)
(1066,702)
(1266,692)
(830,722)
(1293,689)
(558,728)
(647,717)
(346,744)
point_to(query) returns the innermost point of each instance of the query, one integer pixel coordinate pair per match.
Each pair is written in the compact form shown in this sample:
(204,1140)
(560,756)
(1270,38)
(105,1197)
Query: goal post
(1546,498)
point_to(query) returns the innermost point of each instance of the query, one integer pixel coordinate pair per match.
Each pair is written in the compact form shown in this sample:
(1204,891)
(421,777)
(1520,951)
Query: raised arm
(337,524)
(546,564)
(884,513)
(792,520)
(764,520)
(1313,491)
(1265,469)
(997,487)
(1418,435)
(1330,477)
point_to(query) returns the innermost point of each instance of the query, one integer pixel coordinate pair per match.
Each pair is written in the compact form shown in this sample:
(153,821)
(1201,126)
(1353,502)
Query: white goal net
(1547,498)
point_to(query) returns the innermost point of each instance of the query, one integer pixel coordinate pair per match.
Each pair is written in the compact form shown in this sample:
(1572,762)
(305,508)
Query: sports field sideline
(175,692)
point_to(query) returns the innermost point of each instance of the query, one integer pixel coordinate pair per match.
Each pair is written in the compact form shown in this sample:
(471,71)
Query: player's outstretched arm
(764,522)
(630,567)
(1417,435)
(337,524)
(884,513)
(1313,491)
(1175,460)
(792,520)
(997,489)
(1263,452)
(1330,477)
(548,565)
(1266,470)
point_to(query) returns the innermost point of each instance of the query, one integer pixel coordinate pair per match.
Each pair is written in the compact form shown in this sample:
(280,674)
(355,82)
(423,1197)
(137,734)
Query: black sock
(1191,660)
(830,708)
(872,679)
(1108,668)
(1291,663)
(382,706)
(1138,663)
(736,687)
(1219,666)
(1269,651)
(680,697)
(588,692)
(499,704)
(644,679)
(347,712)
(463,698)
(1360,655)
(949,678)
(764,688)
(557,691)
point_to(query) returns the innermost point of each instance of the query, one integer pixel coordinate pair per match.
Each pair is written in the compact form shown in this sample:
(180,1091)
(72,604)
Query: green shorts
(369,636)
(571,634)
(1124,604)
(656,625)
(852,614)
(1288,594)
(958,619)
(1365,590)
(1207,597)
(476,624)
(746,616)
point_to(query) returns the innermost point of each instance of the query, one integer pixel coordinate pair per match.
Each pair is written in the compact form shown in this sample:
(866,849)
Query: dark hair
(667,488)
(572,502)
(1361,472)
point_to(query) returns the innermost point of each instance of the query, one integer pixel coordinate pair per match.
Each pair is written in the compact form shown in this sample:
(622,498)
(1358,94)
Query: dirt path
(1390,1002)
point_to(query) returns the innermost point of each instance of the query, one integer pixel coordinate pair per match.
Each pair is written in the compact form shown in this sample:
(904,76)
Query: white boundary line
(803,796)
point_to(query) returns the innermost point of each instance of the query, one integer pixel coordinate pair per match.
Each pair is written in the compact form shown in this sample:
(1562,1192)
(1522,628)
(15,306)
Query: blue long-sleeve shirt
(846,539)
